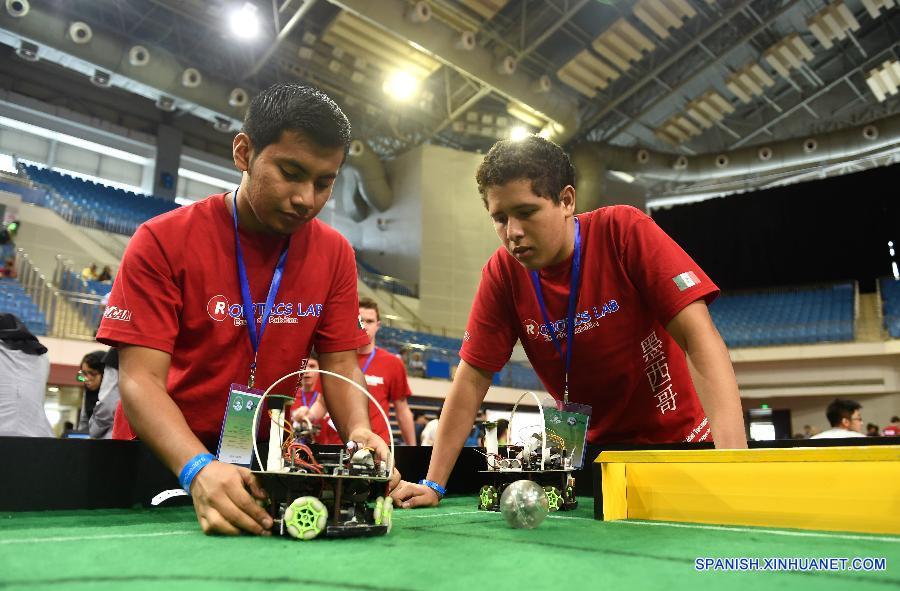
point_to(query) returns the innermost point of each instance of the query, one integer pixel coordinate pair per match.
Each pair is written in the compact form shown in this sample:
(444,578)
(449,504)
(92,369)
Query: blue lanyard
(570,315)
(311,400)
(368,362)
(249,314)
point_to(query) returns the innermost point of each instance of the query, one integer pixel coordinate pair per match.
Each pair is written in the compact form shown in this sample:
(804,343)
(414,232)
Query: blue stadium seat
(113,210)
(14,300)
(789,316)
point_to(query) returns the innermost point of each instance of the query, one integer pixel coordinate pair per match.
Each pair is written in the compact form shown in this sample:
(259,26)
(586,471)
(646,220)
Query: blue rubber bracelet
(435,487)
(192,468)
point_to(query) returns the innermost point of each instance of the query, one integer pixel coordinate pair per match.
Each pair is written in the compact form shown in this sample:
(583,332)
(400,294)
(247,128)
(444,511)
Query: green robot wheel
(554,498)
(487,498)
(305,518)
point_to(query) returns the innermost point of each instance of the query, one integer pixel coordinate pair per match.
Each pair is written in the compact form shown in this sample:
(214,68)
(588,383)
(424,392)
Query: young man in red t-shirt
(192,278)
(385,379)
(643,337)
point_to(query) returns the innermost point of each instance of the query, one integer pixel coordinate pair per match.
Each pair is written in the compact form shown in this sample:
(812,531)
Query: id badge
(237,436)
(570,421)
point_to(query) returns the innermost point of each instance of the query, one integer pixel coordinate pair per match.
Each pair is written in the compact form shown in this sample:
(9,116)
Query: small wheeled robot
(338,494)
(543,459)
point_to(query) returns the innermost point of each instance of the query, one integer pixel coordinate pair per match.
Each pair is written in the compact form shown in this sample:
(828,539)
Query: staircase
(870,322)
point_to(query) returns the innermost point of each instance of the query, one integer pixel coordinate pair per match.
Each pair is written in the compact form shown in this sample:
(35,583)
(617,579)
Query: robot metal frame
(549,465)
(327,494)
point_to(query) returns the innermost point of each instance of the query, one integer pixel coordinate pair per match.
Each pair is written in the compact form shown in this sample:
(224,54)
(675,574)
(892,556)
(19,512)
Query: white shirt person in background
(845,418)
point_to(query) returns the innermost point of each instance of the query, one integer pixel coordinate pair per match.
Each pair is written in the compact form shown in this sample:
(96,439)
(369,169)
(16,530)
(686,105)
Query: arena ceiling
(681,77)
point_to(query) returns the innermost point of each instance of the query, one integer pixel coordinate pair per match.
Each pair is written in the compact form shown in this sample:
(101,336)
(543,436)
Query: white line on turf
(427,515)
(775,532)
(89,538)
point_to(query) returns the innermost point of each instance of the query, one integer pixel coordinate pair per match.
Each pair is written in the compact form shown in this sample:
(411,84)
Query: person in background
(89,273)
(420,422)
(502,432)
(845,419)
(307,393)
(892,430)
(386,380)
(429,433)
(872,430)
(416,365)
(24,369)
(809,431)
(105,275)
(91,374)
(8,270)
(101,421)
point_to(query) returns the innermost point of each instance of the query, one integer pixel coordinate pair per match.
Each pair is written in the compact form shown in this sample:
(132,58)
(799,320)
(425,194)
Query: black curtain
(819,231)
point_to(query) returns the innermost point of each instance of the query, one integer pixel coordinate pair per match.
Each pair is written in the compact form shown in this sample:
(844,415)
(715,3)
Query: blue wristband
(192,468)
(435,487)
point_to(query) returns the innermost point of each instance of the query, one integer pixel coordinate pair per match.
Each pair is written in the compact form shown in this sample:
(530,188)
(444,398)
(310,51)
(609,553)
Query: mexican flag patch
(686,280)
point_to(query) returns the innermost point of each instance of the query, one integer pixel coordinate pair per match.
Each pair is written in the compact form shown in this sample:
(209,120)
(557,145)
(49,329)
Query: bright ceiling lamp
(244,21)
(401,86)
(622,176)
(518,133)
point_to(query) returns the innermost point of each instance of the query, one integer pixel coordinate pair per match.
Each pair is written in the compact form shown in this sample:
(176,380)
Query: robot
(543,458)
(337,494)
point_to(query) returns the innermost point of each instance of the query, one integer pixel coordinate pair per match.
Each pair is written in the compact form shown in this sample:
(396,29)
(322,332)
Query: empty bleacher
(94,205)
(890,294)
(786,316)
(14,300)
(441,353)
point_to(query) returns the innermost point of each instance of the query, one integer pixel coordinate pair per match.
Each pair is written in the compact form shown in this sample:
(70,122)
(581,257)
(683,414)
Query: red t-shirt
(178,291)
(890,431)
(635,279)
(386,381)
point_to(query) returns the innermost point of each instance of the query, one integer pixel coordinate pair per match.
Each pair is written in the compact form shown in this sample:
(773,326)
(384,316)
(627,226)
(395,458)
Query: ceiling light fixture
(401,86)
(244,21)
(518,133)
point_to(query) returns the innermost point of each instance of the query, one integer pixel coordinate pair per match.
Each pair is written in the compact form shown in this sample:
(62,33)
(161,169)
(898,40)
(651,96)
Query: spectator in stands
(892,430)
(621,323)
(24,369)
(845,420)
(101,422)
(7,244)
(91,375)
(184,331)
(386,380)
(809,431)
(105,275)
(872,430)
(89,273)
(8,270)
(416,365)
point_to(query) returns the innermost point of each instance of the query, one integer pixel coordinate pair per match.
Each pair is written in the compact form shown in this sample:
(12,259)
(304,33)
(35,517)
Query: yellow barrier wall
(840,489)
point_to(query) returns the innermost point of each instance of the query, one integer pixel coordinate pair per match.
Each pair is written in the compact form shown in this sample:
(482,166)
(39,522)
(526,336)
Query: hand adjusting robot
(337,494)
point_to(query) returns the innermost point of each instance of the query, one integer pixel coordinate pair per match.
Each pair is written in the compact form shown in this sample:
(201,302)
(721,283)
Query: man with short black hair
(237,289)
(845,420)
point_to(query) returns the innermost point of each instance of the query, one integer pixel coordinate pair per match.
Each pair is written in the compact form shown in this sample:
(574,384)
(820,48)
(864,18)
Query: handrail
(69,314)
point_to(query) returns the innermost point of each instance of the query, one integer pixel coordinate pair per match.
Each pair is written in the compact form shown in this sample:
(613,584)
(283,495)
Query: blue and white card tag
(236,438)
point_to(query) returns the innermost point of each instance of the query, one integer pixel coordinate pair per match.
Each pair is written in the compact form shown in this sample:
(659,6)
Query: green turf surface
(450,547)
